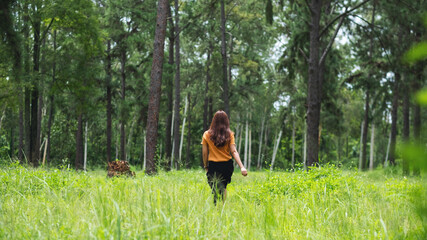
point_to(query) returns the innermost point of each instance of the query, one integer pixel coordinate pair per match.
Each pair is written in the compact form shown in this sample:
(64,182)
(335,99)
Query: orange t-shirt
(217,154)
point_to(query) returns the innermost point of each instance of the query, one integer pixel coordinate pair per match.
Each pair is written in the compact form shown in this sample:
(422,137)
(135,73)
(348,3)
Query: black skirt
(219,173)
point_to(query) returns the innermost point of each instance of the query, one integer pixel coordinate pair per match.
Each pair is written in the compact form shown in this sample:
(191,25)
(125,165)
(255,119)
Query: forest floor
(325,203)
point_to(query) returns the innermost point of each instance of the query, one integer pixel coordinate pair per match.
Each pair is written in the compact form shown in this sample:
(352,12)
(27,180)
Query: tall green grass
(325,203)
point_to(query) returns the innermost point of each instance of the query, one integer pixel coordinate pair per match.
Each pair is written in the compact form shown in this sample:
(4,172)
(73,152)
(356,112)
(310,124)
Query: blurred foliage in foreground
(416,153)
(419,51)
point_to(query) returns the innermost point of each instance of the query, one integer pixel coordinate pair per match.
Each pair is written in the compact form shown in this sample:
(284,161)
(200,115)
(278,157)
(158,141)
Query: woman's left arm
(205,153)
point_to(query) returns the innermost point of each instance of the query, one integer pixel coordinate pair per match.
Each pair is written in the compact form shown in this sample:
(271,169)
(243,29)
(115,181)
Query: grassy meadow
(326,203)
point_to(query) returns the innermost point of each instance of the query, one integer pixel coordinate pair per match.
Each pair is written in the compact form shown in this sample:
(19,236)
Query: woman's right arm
(236,156)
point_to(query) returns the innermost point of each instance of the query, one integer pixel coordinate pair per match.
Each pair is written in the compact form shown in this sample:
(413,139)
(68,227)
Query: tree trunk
(339,150)
(188,160)
(51,100)
(168,137)
(40,101)
(276,146)
(365,133)
(79,143)
(321,78)
(245,163)
(371,152)
(250,150)
(144,165)
(21,128)
(109,99)
(313,98)
(27,89)
(318,141)
(371,54)
(260,143)
(265,144)
(116,157)
(240,139)
(85,150)
(237,134)
(224,61)
(346,147)
(229,60)
(173,142)
(18,77)
(210,116)
(12,137)
(34,136)
(183,129)
(208,79)
(405,132)
(395,106)
(388,151)
(12,142)
(141,153)
(360,145)
(305,147)
(39,121)
(155,85)
(293,143)
(122,112)
(44,153)
(417,132)
(177,86)
(27,125)
(417,113)
(129,141)
(2,116)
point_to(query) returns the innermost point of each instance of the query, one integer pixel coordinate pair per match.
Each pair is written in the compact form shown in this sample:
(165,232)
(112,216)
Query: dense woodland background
(304,82)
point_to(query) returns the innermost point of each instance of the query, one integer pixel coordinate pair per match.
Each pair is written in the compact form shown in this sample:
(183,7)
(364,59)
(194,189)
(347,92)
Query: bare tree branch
(331,41)
(47,29)
(303,54)
(345,13)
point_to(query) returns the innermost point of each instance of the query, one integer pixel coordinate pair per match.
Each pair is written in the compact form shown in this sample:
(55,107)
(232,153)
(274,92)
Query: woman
(218,143)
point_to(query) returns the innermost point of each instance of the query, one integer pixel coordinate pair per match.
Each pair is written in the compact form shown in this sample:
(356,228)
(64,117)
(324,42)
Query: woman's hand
(244,171)
(236,156)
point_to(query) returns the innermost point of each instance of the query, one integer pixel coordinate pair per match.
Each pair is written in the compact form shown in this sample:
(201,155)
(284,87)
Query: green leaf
(417,53)
(421,97)
(415,154)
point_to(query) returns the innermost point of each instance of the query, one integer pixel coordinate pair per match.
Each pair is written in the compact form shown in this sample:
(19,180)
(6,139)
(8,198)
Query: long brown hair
(220,129)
